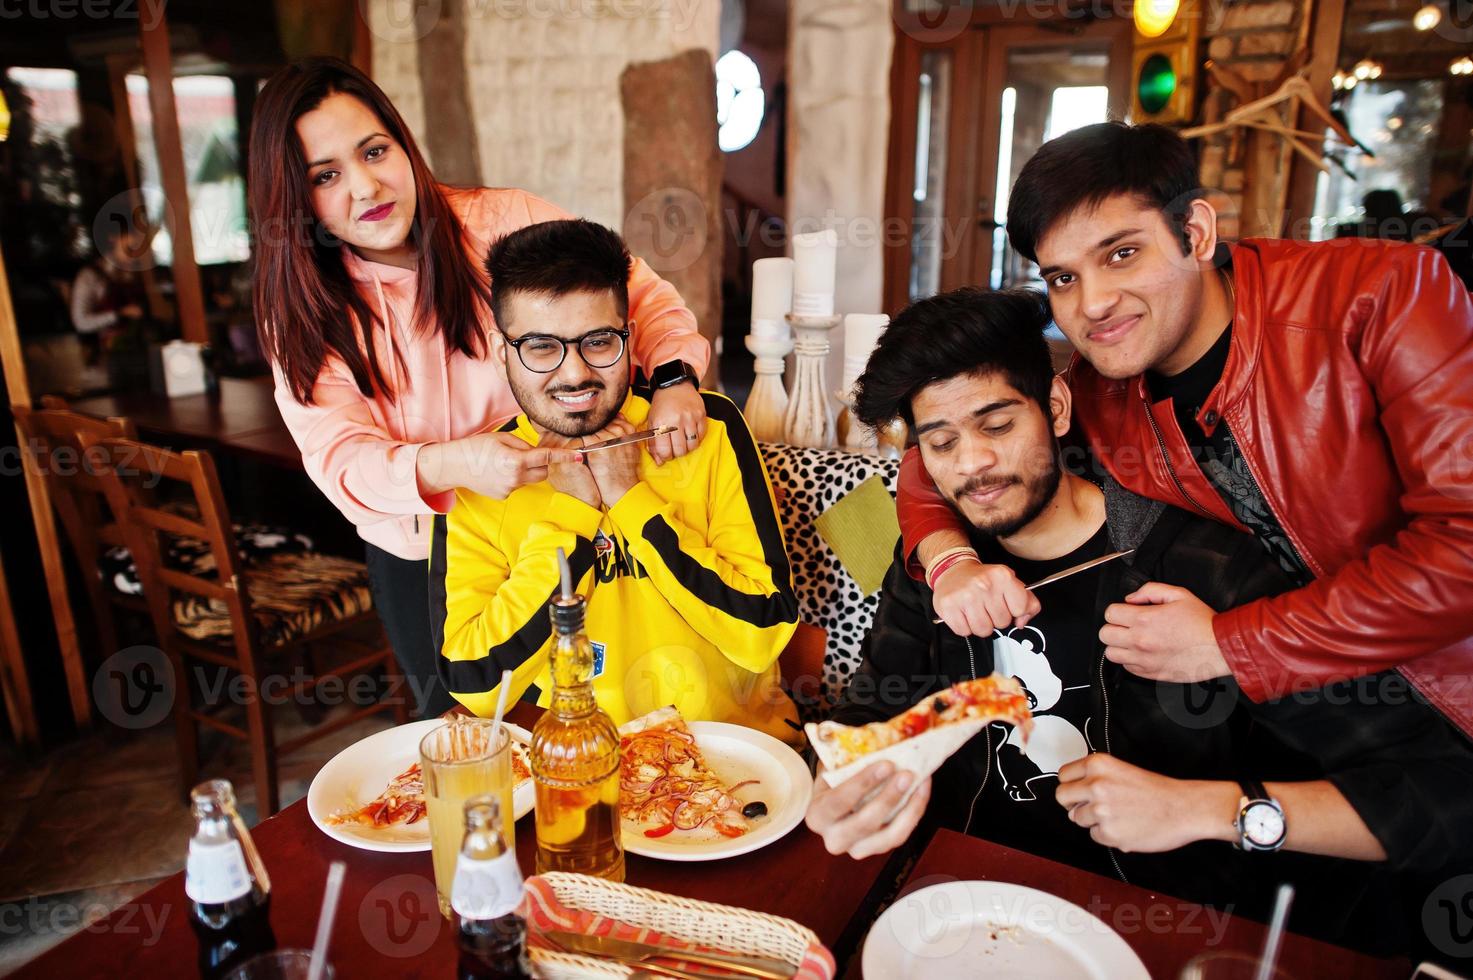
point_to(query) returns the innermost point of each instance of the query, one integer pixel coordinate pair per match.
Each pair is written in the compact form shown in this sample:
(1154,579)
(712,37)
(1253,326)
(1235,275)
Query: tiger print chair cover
(294,589)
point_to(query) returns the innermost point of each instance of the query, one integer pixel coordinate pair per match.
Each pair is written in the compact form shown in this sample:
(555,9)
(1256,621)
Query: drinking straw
(566,574)
(500,705)
(1275,933)
(330,896)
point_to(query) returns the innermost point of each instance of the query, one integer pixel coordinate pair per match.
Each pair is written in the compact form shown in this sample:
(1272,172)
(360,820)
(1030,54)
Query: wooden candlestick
(810,419)
(767,405)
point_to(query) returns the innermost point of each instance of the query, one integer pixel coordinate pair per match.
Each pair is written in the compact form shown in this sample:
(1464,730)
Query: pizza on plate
(666,786)
(963,708)
(403,800)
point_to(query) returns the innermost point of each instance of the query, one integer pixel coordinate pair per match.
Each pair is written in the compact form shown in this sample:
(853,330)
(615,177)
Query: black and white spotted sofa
(809,482)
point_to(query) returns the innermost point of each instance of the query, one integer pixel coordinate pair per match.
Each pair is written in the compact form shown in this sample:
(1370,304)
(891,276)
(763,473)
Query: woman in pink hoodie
(375,312)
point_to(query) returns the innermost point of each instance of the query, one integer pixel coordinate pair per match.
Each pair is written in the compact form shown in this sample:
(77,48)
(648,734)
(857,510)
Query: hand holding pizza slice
(925,735)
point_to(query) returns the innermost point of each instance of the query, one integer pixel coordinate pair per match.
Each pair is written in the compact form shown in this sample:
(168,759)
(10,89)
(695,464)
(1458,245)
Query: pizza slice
(665,784)
(923,736)
(521,763)
(402,801)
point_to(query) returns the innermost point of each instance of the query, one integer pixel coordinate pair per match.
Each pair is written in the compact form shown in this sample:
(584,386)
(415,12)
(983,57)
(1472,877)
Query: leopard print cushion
(807,483)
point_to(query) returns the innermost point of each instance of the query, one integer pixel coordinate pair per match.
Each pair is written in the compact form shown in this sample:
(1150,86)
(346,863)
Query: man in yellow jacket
(690,596)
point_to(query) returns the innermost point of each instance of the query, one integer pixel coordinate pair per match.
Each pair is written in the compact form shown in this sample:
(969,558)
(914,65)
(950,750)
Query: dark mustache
(569,390)
(986,483)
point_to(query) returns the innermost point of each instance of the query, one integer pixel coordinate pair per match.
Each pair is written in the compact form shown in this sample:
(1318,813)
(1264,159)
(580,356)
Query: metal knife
(1083,566)
(633,437)
(629,950)
(1076,569)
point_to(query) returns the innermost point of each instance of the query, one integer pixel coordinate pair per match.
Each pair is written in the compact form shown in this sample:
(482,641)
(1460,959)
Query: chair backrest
(53,438)
(135,482)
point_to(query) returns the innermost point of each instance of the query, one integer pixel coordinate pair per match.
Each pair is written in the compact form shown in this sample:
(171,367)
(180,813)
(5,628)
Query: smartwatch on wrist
(1260,822)
(672,373)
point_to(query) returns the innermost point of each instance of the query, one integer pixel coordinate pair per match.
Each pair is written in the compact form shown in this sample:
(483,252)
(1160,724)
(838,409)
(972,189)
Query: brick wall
(1253,37)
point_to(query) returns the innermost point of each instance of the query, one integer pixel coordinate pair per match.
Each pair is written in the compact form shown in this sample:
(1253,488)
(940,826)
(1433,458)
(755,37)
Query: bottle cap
(567,614)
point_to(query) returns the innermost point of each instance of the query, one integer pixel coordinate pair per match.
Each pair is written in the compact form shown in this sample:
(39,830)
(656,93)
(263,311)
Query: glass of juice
(460,759)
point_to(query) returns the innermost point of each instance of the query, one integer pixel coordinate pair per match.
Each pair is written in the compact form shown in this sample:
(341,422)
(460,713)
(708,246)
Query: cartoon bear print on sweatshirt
(1054,741)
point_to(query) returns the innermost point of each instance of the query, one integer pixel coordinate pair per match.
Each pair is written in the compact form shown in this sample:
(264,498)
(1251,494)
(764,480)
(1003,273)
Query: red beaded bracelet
(946,564)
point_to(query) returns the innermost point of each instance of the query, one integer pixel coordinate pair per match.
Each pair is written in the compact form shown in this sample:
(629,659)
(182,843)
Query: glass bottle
(485,897)
(228,888)
(575,759)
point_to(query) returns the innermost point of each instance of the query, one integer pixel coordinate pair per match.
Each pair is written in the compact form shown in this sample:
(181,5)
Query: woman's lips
(377,214)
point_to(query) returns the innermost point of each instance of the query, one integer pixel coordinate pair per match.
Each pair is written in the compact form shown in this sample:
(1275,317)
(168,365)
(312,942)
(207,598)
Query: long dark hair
(307,307)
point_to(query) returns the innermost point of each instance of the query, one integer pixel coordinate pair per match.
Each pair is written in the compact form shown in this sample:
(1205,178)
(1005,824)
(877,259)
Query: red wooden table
(1164,931)
(388,924)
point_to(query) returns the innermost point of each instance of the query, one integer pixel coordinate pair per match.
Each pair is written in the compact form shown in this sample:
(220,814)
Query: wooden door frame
(979,55)
(967,49)
(1327,23)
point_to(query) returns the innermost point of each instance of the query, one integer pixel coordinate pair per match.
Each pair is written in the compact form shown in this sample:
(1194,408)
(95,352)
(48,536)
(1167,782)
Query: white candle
(861,334)
(772,297)
(814,256)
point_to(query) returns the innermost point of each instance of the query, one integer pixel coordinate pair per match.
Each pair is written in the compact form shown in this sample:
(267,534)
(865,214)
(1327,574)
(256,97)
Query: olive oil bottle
(575,756)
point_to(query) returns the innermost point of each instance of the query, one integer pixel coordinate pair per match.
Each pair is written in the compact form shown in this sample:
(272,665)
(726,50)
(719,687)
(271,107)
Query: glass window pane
(209,133)
(1377,197)
(932,113)
(1049,91)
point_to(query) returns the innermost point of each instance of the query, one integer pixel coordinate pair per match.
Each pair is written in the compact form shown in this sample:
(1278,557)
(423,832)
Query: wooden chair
(53,438)
(252,617)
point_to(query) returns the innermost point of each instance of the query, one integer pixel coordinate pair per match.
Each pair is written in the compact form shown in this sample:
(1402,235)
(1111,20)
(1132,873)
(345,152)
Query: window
(1398,121)
(740,101)
(207,128)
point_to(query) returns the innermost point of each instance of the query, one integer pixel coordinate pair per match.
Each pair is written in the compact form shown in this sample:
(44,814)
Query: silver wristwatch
(1260,822)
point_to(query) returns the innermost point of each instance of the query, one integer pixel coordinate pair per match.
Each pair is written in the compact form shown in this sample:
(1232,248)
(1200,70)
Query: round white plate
(735,753)
(360,772)
(994,929)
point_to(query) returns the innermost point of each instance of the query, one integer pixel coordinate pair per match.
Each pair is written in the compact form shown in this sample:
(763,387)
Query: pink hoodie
(362,451)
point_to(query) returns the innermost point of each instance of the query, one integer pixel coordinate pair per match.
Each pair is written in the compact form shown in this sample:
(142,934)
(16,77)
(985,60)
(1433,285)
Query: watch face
(1263,824)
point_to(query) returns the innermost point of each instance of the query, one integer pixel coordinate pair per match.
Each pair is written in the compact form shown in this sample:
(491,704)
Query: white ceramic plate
(994,929)
(734,754)
(360,772)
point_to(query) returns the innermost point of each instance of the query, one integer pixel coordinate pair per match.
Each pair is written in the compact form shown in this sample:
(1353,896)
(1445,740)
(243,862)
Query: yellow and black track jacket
(690,596)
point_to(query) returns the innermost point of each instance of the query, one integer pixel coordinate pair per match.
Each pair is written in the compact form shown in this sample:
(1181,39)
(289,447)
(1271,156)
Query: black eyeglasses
(600,348)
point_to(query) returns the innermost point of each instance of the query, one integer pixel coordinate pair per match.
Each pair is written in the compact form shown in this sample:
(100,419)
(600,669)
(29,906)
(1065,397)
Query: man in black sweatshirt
(1360,793)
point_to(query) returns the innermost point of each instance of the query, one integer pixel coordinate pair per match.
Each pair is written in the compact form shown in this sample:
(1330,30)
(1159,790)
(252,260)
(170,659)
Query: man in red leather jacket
(1319,395)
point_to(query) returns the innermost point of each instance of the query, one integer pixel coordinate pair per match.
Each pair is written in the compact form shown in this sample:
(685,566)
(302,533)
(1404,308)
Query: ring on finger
(692,436)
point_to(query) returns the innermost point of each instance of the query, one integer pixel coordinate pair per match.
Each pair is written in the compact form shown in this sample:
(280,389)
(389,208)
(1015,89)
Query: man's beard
(546,412)
(1040,490)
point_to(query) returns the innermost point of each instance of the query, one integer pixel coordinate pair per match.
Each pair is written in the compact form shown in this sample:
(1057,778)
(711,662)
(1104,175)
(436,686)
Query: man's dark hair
(966,331)
(556,258)
(1087,165)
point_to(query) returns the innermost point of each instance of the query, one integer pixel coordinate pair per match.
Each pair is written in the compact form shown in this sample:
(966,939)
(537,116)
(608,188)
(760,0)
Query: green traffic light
(1157,83)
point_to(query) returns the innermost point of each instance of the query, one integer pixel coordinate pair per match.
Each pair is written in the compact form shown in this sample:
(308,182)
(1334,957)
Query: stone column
(839,133)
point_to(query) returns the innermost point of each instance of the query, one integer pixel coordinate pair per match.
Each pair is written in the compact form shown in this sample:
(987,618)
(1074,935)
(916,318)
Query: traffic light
(1164,64)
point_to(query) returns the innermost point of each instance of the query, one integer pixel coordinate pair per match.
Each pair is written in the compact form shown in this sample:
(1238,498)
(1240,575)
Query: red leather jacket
(1349,390)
